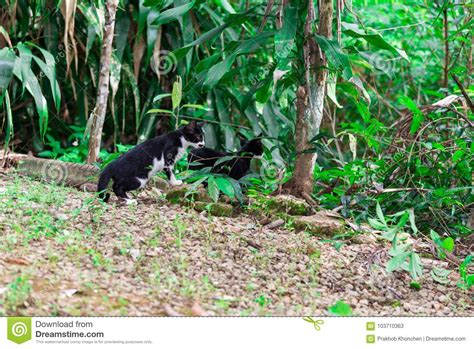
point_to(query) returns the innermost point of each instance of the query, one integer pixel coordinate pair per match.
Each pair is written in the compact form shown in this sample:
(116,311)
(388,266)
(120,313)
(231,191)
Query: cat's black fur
(133,169)
(237,167)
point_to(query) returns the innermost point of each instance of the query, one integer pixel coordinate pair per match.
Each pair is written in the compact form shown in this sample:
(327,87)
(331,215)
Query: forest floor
(62,252)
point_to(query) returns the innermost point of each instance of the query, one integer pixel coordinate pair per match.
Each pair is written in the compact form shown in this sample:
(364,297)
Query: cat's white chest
(156,166)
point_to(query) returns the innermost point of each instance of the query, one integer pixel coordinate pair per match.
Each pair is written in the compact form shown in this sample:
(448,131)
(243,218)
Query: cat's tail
(104,180)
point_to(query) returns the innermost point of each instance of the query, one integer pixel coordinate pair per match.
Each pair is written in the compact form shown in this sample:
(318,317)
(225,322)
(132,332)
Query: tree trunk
(310,101)
(98,114)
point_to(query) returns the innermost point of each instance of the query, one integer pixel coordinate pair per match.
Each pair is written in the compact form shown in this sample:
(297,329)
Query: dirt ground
(64,253)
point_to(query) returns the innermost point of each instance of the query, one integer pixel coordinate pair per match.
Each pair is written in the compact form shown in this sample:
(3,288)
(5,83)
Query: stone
(177,195)
(320,223)
(218,209)
(289,204)
(160,183)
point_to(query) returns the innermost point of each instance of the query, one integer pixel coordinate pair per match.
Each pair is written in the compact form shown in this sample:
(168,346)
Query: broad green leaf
(380,215)
(161,96)
(448,244)
(377,224)
(49,69)
(331,89)
(458,154)
(5,34)
(225,5)
(247,46)
(440,275)
(397,261)
(417,118)
(9,119)
(265,91)
(357,83)
(213,189)
(195,106)
(411,216)
(363,110)
(7,63)
(172,14)
(233,19)
(225,186)
(208,62)
(375,39)
(177,93)
(415,266)
(30,82)
(223,159)
(160,111)
(340,309)
(335,55)
(237,190)
(391,233)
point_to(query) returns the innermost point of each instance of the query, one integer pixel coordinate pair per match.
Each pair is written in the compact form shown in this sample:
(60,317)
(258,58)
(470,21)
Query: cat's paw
(176,182)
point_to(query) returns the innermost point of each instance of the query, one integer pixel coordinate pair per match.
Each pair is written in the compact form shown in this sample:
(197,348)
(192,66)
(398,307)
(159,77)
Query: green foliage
(382,146)
(340,309)
(403,255)
(467,280)
(18,292)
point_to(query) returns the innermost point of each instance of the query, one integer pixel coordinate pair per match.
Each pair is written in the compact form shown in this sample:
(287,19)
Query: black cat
(133,169)
(237,167)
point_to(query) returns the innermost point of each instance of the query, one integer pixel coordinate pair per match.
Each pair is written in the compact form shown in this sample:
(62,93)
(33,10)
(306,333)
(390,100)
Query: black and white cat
(237,167)
(133,169)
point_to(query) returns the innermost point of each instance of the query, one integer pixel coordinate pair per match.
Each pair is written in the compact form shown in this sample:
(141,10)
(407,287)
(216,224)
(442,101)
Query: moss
(176,195)
(320,224)
(289,205)
(218,209)
(159,183)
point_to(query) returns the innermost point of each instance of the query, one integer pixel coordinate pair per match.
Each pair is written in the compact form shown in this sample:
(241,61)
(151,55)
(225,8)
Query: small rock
(218,209)
(159,183)
(69,292)
(443,298)
(320,223)
(134,253)
(289,204)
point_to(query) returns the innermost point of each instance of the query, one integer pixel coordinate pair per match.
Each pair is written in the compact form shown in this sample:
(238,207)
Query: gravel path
(64,253)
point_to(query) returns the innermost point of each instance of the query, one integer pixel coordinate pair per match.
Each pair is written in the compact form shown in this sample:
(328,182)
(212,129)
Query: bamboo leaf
(7,64)
(30,82)
(335,55)
(172,14)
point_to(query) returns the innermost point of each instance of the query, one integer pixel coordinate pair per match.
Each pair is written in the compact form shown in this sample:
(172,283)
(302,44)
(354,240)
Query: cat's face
(194,134)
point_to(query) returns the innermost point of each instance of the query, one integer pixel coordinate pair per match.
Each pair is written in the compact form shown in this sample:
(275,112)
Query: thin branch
(464,93)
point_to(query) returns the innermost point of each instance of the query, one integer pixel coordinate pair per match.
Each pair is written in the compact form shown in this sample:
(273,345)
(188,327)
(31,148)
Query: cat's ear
(191,125)
(200,124)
